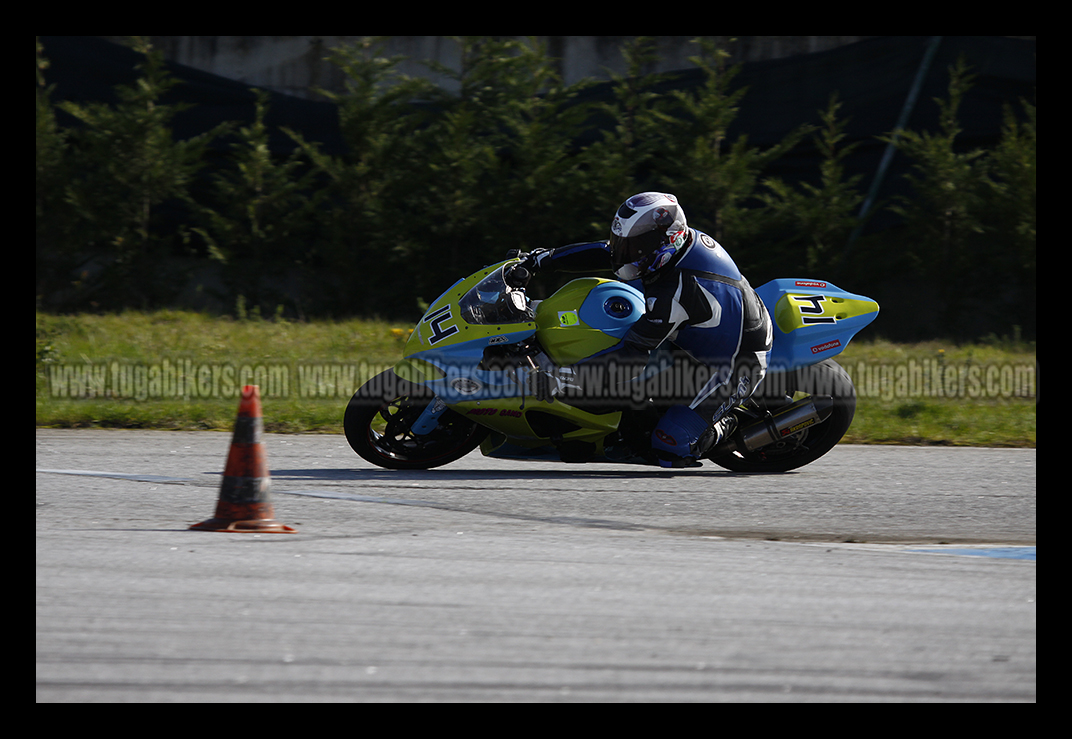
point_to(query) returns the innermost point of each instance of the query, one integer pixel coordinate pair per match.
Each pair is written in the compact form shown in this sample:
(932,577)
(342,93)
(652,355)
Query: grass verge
(181,370)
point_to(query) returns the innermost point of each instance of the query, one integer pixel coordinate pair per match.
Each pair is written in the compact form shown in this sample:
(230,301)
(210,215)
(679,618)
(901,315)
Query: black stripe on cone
(245,501)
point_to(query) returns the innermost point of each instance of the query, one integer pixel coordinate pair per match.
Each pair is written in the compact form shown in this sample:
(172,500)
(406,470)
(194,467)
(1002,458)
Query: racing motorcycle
(484,367)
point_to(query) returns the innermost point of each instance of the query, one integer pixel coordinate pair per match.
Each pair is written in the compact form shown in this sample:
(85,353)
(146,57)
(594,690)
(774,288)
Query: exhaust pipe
(789,420)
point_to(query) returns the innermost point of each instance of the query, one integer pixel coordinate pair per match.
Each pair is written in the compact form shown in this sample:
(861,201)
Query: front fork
(429,417)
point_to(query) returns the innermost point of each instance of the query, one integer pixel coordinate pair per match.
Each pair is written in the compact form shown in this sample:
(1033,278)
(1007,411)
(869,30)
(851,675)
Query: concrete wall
(295,64)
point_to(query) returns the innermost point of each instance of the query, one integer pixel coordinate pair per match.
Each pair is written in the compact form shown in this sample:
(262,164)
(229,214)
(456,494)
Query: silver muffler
(786,422)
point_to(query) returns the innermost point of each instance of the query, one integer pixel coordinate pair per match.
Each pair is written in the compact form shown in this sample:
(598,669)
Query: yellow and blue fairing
(813,320)
(444,351)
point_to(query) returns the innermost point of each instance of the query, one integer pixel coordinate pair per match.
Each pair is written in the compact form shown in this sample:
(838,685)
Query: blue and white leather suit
(701,303)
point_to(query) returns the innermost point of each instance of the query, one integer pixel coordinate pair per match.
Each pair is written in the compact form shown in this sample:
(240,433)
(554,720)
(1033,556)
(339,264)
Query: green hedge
(434,185)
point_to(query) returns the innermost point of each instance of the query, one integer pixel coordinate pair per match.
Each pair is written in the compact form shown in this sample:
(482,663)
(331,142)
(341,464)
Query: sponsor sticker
(665,437)
(826,346)
(568,318)
(798,427)
(466,386)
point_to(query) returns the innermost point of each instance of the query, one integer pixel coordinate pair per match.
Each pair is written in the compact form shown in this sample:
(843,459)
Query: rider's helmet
(647,231)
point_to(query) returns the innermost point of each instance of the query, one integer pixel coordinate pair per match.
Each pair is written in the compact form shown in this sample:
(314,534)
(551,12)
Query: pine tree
(258,222)
(713,177)
(812,222)
(126,166)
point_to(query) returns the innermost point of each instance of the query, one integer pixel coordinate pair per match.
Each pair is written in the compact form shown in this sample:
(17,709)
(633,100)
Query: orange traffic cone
(245,503)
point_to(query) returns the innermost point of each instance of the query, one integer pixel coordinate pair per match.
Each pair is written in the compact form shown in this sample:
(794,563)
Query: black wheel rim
(390,434)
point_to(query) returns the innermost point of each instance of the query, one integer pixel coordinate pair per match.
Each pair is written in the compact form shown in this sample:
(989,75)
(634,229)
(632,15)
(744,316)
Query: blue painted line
(1027,553)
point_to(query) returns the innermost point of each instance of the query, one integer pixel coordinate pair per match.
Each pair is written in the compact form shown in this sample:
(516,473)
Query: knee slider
(678,431)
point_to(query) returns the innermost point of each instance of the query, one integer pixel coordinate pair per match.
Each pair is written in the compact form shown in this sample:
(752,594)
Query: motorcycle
(469,367)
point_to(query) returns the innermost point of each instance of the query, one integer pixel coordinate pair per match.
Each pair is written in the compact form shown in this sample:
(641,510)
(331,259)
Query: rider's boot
(722,429)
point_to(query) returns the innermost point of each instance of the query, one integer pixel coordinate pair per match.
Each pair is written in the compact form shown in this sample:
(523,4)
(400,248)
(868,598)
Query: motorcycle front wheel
(807,445)
(378,426)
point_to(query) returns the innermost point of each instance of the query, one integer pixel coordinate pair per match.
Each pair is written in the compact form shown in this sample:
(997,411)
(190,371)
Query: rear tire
(806,446)
(380,415)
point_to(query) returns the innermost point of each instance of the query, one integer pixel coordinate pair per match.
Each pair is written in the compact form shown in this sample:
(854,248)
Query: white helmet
(646,231)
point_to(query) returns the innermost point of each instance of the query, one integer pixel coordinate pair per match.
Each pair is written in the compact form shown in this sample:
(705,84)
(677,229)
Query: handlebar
(517,276)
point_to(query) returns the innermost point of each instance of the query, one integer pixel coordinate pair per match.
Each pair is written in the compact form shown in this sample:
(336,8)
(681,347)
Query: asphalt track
(878,574)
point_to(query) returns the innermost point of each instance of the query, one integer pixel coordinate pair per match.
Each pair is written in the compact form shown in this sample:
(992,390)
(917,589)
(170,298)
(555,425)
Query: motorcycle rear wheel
(378,423)
(806,446)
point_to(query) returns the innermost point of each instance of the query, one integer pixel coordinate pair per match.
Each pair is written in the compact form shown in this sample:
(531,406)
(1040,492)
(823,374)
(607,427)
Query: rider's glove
(531,261)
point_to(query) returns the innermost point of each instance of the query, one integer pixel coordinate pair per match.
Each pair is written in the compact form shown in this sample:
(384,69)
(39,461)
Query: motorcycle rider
(696,298)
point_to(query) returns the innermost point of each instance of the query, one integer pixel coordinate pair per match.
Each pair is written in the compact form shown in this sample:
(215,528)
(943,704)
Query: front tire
(378,422)
(806,446)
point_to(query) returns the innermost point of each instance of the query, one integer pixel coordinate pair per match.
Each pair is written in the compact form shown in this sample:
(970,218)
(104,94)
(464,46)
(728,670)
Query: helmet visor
(633,249)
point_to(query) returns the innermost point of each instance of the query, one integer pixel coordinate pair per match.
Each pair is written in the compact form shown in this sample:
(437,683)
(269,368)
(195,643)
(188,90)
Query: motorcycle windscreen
(492,302)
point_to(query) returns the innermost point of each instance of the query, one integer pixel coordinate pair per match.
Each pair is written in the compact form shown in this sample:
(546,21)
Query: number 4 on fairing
(438,322)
